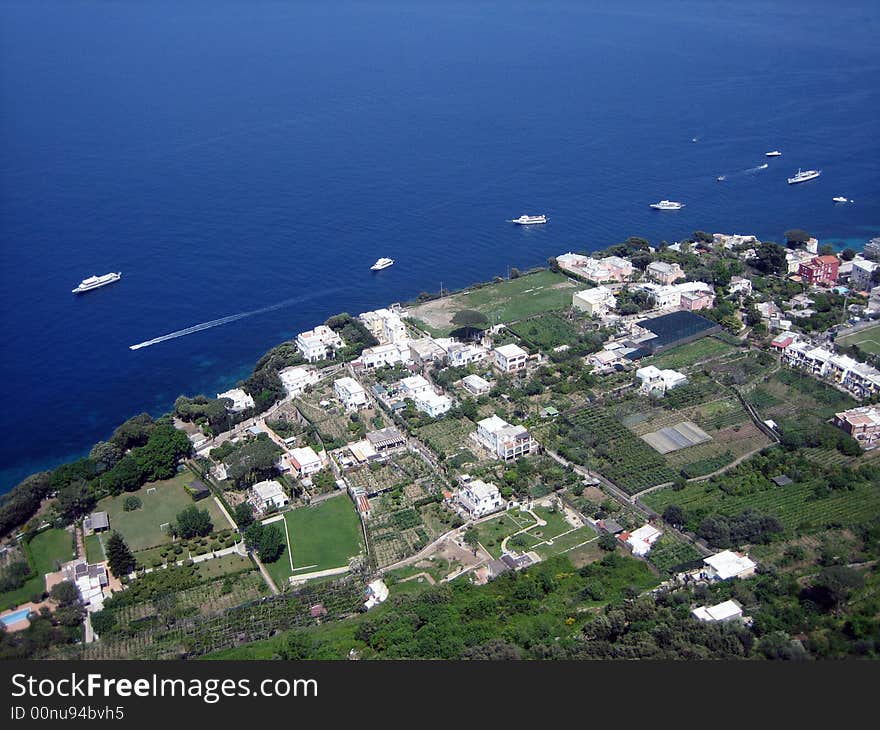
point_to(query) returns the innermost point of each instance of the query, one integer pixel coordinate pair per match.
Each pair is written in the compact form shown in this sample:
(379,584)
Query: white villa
(504,440)
(240,400)
(610,268)
(318,344)
(664,273)
(351,393)
(305,461)
(479,498)
(510,358)
(476,385)
(595,302)
(656,381)
(268,494)
(726,611)
(390,354)
(433,404)
(728,564)
(643,539)
(295,379)
(385,325)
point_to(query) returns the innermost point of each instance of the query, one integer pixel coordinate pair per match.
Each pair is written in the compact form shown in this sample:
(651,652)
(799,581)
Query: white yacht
(667,205)
(94,282)
(721,178)
(529,220)
(841,199)
(382,263)
(803,176)
(774,153)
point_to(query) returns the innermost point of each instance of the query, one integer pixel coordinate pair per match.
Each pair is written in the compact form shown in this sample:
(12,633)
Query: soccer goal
(151,490)
(165,526)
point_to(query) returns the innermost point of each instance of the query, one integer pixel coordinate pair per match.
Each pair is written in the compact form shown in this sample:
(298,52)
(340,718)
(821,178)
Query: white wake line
(226,320)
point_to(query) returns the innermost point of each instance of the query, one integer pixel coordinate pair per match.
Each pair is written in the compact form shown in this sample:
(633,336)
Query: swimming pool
(13,618)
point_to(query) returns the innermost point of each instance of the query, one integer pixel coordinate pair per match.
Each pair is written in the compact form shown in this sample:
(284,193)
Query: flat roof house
(96,522)
(510,358)
(664,273)
(427,401)
(240,400)
(820,270)
(863,424)
(318,344)
(479,498)
(504,440)
(643,539)
(595,302)
(656,381)
(476,385)
(305,461)
(268,494)
(295,379)
(411,386)
(728,564)
(726,611)
(385,355)
(351,393)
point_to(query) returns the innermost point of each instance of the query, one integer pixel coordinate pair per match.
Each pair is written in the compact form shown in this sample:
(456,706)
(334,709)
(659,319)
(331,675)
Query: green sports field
(322,537)
(867,339)
(141,527)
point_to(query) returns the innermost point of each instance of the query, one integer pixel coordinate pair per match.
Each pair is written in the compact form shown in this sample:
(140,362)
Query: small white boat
(382,263)
(774,153)
(721,178)
(94,282)
(841,199)
(529,220)
(667,205)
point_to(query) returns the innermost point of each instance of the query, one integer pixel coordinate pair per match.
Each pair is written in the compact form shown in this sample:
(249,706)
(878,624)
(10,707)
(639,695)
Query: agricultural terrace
(505,301)
(141,528)
(545,331)
(808,504)
(45,552)
(594,438)
(323,536)
(405,520)
(449,437)
(672,553)
(525,534)
(867,340)
(714,409)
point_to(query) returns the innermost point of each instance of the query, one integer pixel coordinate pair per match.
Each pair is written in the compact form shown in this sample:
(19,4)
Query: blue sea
(228,157)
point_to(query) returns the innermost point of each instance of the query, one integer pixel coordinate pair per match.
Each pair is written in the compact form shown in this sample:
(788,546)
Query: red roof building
(821,270)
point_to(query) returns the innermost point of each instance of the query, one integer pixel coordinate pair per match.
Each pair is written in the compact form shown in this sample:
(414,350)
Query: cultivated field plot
(448,437)
(792,396)
(321,537)
(160,504)
(681,357)
(676,437)
(45,552)
(404,521)
(331,420)
(401,470)
(671,552)
(794,505)
(867,339)
(506,301)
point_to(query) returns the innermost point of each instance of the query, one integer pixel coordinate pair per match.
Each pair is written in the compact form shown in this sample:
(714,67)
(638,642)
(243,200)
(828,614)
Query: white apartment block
(504,440)
(459,354)
(318,344)
(480,499)
(296,379)
(385,325)
(859,378)
(862,271)
(510,358)
(351,393)
(381,355)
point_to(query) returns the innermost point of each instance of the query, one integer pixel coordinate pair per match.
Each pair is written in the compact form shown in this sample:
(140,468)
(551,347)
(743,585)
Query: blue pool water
(13,618)
(228,157)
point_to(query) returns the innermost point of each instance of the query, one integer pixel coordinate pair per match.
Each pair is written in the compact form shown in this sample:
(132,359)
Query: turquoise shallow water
(227,158)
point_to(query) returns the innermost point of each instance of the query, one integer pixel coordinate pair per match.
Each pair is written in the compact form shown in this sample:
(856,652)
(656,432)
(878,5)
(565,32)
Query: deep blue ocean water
(228,156)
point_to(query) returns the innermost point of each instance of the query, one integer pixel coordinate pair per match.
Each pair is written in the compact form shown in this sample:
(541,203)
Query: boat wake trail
(230,318)
(756,168)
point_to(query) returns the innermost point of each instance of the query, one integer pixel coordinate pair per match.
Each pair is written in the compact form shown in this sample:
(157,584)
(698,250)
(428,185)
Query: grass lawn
(867,339)
(94,551)
(690,353)
(45,550)
(566,542)
(506,301)
(140,528)
(322,537)
(492,532)
(217,567)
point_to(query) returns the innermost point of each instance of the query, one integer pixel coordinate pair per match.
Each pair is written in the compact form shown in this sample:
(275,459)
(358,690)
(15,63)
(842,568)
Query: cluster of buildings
(689,296)
(610,268)
(858,378)
(318,344)
(654,381)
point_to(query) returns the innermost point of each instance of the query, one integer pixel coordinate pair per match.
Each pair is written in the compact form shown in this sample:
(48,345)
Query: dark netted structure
(671,330)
